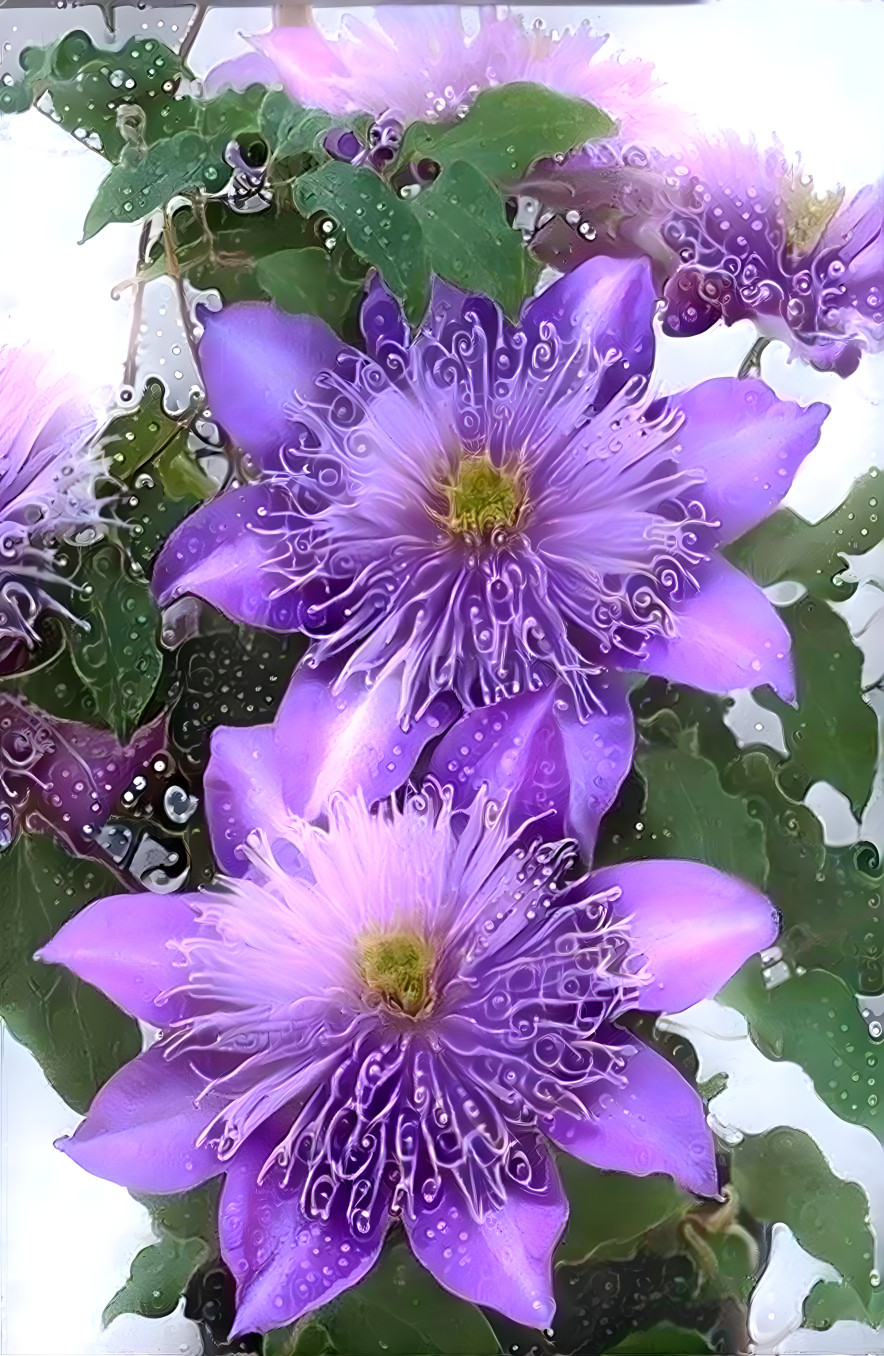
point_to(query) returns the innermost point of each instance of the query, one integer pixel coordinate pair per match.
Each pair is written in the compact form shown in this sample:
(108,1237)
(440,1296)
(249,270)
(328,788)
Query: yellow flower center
(482,498)
(806,213)
(397,966)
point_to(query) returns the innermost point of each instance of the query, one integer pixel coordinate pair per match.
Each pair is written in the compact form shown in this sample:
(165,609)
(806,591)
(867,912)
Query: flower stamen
(398,966)
(483,499)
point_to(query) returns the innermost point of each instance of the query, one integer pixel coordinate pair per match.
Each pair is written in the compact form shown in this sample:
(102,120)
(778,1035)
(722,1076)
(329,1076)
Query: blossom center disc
(807,214)
(483,499)
(397,966)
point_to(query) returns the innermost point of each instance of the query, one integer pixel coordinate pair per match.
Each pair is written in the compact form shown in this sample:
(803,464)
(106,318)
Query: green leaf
(688,814)
(191,1214)
(469,240)
(662,1340)
(305,1338)
(290,129)
(783,1176)
(380,226)
(117,656)
(305,281)
(836,1302)
(506,130)
(813,1020)
(786,546)
(77,1036)
(136,187)
(833,733)
(611,1209)
(399,1310)
(157,1279)
(89,85)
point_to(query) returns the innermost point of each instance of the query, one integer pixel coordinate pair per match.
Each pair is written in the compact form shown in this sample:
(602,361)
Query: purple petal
(729,636)
(534,749)
(257,363)
(385,329)
(655,1123)
(351,740)
(694,925)
(321,743)
(283,1262)
(226,553)
(142,1128)
(503,1261)
(239,73)
(309,67)
(612,303)
(125,946)
(243,789)
(748,444)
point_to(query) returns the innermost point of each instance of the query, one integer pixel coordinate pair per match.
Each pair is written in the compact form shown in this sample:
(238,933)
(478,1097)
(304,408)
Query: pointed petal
(125,946)
(610,303)
(321,743)
(141,1129)
(243,789)
(535,749)
(226,553)
(257,363)
(694,925)
(239,73)
(309,66)
(284,1263)
(729,636)
(385,329)
(350,740)
(503,1261)
(748,443)
(655,1123)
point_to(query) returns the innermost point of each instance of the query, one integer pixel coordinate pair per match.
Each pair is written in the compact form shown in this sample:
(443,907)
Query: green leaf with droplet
(76,1035)
(142,183)
(786,546)
(114,649)
(290,129)
(306,281)
(157,1279)
(506,130)
(306,1338)
(833,732)
(611,1211)
(783,1176)
(189,1214)
(837,1302)
(686,813)
(469,240)
(381,227)
(812,1019)
(89,86)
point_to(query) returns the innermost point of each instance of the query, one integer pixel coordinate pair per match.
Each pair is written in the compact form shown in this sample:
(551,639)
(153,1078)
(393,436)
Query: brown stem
(751,364)
(193,27)
(174,273)
(130,371)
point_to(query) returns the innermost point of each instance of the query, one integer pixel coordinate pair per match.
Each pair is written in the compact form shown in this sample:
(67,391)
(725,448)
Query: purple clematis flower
(47,490)
(389,1018)
(735,233)
(418,63)
(62,775)
(488,508)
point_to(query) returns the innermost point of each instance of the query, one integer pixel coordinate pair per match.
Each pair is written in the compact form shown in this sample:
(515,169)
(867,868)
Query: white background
(809,71)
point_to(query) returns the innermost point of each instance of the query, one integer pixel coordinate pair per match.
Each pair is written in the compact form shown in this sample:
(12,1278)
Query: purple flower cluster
(735,233)
(401,991)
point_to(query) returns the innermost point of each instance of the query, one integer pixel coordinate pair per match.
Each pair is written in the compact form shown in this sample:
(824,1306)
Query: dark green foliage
(114,648)
(93,92)
(306,280)
(610,1211)
(379,225)
(157,1279)
(833,734)
(782,1176)
(813,1020)
(506,130)
(786,546)
(469,240)
(76,1035)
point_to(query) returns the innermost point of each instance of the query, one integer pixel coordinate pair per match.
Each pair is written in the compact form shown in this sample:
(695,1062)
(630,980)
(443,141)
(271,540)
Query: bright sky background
(807,70)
